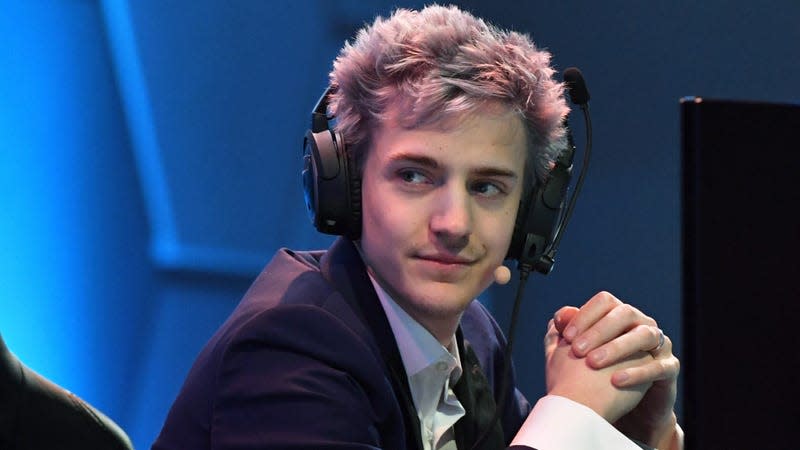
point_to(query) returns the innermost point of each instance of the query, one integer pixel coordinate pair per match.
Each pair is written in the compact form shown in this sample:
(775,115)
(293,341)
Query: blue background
(150,156)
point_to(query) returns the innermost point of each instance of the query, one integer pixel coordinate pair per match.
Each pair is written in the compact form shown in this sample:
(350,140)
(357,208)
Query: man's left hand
(605,331)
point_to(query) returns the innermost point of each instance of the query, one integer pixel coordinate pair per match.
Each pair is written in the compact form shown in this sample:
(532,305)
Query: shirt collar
(418,348)
(432,370)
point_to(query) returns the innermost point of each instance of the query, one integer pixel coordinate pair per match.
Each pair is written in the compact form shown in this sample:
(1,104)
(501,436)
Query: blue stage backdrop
(150,157)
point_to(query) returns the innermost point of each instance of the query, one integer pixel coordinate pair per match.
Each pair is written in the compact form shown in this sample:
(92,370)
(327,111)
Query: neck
(442,326)
(442,329)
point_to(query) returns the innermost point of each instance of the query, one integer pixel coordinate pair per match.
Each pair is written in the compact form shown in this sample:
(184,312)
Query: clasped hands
(614,359)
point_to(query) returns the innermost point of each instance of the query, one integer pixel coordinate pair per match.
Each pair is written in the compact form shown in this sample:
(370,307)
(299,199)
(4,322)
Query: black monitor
(741,274)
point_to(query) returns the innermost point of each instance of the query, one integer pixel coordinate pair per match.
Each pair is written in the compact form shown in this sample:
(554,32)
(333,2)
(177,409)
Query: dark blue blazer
(307,360)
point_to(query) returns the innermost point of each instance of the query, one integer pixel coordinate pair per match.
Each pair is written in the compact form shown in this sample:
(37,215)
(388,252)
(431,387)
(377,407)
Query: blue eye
(412,176)
(486,189)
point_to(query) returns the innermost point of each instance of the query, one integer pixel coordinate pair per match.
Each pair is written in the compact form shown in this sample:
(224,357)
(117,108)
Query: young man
(378,342)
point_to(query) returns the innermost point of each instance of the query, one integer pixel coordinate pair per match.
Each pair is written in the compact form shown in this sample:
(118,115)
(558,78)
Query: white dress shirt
(432,370)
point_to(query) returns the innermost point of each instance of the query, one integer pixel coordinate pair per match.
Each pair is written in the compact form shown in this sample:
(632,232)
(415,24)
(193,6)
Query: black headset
(332,188)
(331,180)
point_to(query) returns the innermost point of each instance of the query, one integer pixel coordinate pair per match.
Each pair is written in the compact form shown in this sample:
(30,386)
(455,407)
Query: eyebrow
(416,159)
(495,172)
(426,161)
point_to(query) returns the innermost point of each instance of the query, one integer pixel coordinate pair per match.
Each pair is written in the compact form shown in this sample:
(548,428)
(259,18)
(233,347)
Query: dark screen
(741,275)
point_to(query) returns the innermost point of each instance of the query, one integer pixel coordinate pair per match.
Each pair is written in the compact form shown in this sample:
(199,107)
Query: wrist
(671,437)
(603,409)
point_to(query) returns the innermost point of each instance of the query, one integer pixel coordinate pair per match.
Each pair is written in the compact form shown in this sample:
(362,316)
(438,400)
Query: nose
(451,220)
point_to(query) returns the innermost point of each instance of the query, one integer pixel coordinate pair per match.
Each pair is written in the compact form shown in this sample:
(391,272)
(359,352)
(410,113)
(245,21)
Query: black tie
(475,395)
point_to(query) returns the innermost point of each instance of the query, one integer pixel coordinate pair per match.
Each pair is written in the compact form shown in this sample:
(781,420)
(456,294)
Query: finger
(564,316)
(619,321)
(551,338)
(642,338)
(662,341)
(592,311)
(658,369)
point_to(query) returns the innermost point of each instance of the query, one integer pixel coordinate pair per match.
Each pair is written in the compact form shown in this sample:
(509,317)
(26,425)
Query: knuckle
(655,333)
(625,313)
(670,368)
(607,298)
(592,335)
(643,331)
(626,310)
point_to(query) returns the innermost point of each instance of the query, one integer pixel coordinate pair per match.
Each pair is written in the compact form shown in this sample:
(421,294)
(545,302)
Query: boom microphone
(576,86)
(579,95)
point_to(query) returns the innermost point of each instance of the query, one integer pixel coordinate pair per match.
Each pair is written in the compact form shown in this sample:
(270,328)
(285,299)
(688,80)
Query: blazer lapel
(343,267)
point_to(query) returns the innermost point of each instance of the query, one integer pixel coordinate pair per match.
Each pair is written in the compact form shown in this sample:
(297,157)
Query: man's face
(439,205)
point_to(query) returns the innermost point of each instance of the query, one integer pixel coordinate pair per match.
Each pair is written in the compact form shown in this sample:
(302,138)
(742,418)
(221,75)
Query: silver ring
(661,340)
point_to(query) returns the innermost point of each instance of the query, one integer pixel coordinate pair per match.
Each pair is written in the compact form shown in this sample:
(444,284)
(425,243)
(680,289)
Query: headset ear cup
(518,236)
(326,194)
(310,177)
(353,173)
(332,185)
(539,220)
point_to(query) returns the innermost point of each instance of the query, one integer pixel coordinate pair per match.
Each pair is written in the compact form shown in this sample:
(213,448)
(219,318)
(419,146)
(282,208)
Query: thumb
(563,317)
(551,338)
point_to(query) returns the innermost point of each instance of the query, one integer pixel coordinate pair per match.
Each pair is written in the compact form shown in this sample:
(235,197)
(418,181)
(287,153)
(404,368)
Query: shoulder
(292,306)
(295,340)
(292,281)
(480,328)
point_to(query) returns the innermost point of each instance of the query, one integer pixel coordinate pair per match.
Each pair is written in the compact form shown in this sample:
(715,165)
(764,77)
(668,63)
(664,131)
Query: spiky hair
(440,62)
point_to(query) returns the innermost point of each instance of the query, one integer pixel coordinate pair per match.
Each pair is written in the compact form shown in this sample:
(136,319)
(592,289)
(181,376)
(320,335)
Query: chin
(441,302)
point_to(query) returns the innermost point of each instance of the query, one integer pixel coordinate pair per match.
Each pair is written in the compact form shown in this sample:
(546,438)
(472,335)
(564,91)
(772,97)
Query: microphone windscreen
(502,275)
(576,85)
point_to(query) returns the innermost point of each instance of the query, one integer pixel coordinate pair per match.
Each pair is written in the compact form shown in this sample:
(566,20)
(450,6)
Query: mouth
(447,260)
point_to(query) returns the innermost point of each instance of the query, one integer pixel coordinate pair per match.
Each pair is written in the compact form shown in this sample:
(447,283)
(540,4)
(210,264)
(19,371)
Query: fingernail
(598,355)
(622,377)
(570,332)
(581,345)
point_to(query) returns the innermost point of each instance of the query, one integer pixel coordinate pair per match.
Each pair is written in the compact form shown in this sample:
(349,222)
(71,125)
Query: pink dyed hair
(439,62)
